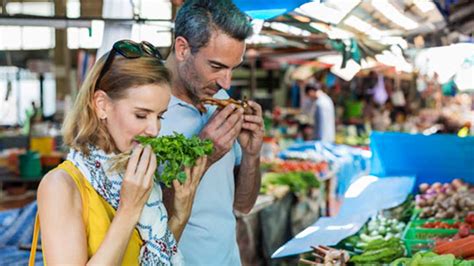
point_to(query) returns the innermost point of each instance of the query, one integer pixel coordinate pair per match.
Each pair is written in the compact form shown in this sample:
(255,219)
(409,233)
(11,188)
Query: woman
(91,216)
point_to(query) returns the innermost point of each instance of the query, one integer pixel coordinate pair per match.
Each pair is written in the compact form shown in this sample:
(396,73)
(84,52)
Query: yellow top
(98,215)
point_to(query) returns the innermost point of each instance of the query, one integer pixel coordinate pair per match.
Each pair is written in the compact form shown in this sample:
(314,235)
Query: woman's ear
(181,48)
(101,104)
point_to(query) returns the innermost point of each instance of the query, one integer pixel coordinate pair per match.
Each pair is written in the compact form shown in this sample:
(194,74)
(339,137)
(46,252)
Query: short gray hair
(197,19)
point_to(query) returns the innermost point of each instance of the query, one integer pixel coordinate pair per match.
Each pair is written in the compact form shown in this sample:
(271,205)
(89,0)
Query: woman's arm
(62,226)
(63,231)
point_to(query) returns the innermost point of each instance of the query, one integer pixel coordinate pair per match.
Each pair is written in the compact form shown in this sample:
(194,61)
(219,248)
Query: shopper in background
(209,43)
(324,117)
(308,102)
(91,216)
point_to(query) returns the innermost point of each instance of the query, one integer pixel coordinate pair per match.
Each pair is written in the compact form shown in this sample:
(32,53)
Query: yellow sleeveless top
(97,215)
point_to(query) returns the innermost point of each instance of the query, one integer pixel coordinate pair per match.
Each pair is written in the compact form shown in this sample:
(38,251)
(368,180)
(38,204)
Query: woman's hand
(184,193)
(137,182)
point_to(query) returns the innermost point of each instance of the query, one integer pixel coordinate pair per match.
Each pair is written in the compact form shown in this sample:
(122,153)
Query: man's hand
(222,129)
(251,136)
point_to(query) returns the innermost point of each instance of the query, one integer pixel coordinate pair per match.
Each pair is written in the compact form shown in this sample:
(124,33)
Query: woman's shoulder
(58,185)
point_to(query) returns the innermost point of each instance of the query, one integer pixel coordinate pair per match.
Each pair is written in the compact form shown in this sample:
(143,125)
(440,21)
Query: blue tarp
(431,158)
(264,9)
(364,198)
(16,230)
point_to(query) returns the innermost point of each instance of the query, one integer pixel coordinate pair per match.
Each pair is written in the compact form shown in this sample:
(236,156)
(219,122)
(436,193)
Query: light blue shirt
(324,119)
(209,238)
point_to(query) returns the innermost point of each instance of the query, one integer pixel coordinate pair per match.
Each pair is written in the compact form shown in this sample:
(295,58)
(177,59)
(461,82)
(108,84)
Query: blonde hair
(82,126)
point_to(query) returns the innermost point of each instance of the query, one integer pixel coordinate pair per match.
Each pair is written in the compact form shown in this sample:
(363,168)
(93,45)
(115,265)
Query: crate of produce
(417,238)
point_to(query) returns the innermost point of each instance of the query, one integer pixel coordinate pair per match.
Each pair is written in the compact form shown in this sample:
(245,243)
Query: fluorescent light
(424,5)
(362,26)
(392,13)
(331,11)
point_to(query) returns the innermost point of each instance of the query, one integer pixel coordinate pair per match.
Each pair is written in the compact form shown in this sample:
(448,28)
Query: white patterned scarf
(159,246)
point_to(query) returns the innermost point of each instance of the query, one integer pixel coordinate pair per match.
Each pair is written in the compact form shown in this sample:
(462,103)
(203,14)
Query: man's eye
(140,116)
(160,117)
(216,67)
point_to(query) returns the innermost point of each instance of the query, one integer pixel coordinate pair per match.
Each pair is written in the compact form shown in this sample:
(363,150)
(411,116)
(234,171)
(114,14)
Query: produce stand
(416,207)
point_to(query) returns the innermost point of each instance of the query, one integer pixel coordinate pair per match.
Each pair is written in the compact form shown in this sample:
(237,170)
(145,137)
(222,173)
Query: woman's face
(139,113)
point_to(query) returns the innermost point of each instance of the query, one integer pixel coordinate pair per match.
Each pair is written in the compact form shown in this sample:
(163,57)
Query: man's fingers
(251,127)
(133,161)
(253,119)
(256,107)
(221,116)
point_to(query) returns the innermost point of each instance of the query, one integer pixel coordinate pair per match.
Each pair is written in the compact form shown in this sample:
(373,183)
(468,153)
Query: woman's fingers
(143,163)
(198,170)
(150,172)
(176,185)
(132,163)
(189,176)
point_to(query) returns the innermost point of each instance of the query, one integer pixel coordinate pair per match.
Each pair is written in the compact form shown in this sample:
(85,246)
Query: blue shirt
(209,238)
(324,119)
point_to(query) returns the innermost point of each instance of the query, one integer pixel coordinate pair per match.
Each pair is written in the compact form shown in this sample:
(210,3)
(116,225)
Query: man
(308,101)
(324,115)
(209,43)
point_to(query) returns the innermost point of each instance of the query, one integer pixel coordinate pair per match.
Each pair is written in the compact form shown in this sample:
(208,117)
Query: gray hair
(197,19)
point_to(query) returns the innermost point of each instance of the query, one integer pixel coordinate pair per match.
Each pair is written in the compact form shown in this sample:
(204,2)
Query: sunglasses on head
(131,50)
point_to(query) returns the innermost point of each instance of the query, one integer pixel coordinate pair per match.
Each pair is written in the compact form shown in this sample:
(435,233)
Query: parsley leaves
(175,152)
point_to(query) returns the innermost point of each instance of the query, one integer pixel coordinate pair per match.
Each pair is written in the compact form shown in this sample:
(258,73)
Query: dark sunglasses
(129,49)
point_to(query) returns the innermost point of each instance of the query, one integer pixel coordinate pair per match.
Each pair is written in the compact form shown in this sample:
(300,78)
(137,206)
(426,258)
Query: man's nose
(225,80)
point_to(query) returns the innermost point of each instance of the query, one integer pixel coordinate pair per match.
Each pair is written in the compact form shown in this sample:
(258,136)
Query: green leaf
(175,152)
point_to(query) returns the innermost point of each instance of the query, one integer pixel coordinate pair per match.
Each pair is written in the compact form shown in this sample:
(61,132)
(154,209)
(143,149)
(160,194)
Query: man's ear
(181,48)
(101,104)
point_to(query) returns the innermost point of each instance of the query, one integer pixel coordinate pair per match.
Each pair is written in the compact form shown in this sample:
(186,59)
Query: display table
(275,220)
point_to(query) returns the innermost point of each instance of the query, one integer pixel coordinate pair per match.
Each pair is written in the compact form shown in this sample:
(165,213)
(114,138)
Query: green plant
(175,152)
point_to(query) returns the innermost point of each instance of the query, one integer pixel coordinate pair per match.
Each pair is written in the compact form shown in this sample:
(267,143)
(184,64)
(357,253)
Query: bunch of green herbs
(175,152)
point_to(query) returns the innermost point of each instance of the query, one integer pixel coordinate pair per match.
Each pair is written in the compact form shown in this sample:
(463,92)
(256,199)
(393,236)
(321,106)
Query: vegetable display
(380,251)
(175,152)
(445,201)
(380,227)
(431,259)
(297,181)
(463,247)
(327,256)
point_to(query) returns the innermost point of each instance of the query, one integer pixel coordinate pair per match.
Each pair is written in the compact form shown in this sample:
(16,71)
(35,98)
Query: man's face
(210,69)
(312,94)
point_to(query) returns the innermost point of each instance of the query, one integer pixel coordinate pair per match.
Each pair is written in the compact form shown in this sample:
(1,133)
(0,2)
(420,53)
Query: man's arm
(247,183)
(248,177)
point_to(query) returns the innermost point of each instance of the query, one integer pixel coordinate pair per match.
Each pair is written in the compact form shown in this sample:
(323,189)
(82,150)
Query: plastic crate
(422,239)
(417,238)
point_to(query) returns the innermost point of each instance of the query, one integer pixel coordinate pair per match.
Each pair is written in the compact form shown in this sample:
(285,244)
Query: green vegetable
(380,251)
(175,152)
(297,181)
(431,259)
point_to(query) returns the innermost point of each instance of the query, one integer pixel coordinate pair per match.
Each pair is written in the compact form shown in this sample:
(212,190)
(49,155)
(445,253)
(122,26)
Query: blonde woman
(88,215)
